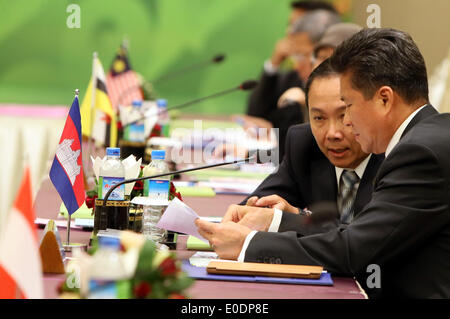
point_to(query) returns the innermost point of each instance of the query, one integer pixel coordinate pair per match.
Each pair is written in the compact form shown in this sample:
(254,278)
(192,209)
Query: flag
(66,173)
(122,82)
(20,261)
(98,118)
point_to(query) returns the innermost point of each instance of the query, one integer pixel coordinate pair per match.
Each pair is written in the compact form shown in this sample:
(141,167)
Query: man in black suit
(403,233)
(317,153)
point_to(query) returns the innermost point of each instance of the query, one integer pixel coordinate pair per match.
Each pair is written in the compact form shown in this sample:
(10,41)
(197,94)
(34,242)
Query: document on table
(202,259)
(180,218)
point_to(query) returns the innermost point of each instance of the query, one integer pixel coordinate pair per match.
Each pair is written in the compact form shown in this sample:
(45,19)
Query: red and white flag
(20,260)
(122,82)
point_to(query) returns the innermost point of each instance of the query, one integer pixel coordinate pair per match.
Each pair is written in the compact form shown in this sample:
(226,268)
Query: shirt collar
(359,170)
(398,134)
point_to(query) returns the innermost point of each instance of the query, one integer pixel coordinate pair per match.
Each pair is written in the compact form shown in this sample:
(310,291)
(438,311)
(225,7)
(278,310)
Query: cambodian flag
(66,173)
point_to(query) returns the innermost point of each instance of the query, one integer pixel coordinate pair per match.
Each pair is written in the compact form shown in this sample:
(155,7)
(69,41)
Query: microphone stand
(180,106)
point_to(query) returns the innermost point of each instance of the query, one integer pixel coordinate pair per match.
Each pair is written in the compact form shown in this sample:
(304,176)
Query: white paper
(203,258)
(58,223)
(96,164)
(230,186)
(147,201)
(132,169)
(181,218)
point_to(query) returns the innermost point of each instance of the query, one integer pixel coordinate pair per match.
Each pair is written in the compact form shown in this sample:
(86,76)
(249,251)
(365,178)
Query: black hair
(324,70)
(377,57)
(313,5)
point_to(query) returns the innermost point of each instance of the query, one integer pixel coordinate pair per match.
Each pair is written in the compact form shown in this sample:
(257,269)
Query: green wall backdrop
(42,60)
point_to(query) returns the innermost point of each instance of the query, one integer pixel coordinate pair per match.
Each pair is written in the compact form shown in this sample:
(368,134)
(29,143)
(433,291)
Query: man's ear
(385,97)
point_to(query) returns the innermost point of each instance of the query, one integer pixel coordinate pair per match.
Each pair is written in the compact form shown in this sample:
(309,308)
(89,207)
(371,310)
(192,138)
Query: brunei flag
(98,119)
(122,82)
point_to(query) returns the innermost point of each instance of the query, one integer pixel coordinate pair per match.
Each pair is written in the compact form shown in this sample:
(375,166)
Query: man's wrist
(276,221)
(270,68)
(241,257)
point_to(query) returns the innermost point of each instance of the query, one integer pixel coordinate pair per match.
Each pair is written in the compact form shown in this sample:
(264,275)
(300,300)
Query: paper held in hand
(180,218)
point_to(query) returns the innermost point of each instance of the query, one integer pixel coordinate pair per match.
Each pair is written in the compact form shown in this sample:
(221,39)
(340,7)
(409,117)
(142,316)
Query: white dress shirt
(396,137)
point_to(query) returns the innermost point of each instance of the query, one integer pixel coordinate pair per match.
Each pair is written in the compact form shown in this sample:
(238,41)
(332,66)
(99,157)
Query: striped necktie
(347,194)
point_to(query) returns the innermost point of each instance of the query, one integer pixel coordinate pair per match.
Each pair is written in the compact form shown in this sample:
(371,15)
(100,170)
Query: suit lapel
(427,111)
(365,188)
(423,114)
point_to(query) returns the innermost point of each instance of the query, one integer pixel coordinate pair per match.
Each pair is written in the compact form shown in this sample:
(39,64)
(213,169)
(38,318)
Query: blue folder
(201,273)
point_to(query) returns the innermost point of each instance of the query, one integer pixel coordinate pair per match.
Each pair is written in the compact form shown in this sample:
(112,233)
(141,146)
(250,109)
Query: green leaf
(144,266)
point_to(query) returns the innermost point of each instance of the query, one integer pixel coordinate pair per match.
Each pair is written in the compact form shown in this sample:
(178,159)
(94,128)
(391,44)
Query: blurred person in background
(333,36)
(297,46)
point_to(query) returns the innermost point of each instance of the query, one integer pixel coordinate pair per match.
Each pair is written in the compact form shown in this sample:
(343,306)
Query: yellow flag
(96,106)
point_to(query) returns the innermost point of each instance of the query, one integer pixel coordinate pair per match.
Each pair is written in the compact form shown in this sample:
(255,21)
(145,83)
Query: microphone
(216,59)
(248,85)
(103,215)
(244,86)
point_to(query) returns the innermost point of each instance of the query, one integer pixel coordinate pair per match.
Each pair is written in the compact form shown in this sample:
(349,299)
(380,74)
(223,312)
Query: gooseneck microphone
(216,59)
(244,86)
(103,214)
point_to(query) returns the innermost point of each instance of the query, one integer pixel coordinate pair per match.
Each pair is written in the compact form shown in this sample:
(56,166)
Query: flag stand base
(68,247)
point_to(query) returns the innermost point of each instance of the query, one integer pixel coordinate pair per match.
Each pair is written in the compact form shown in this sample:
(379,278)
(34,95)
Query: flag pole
(68,246)
(69,217)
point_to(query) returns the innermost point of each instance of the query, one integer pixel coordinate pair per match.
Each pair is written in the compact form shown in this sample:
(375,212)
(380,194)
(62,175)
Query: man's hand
(225,238)
(255,218)
(253,125)
(233,150)
(273,201)
(252,201)
(293,94)
(282,50)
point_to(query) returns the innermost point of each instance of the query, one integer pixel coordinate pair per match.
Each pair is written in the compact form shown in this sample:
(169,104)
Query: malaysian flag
(122,82)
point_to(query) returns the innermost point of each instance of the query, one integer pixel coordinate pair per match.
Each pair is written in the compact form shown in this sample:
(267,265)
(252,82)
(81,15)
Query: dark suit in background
(405,228)
(263,103)
(306,176)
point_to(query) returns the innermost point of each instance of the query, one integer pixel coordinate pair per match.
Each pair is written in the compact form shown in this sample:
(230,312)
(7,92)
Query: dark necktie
(347,194)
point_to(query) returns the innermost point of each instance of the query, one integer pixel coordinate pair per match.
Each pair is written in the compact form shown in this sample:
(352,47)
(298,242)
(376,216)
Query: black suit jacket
(263,99)
(306,176)
(263,103)
(404,229)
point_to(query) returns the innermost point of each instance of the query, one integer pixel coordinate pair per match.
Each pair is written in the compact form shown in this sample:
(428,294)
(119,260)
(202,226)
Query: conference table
(47,206)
